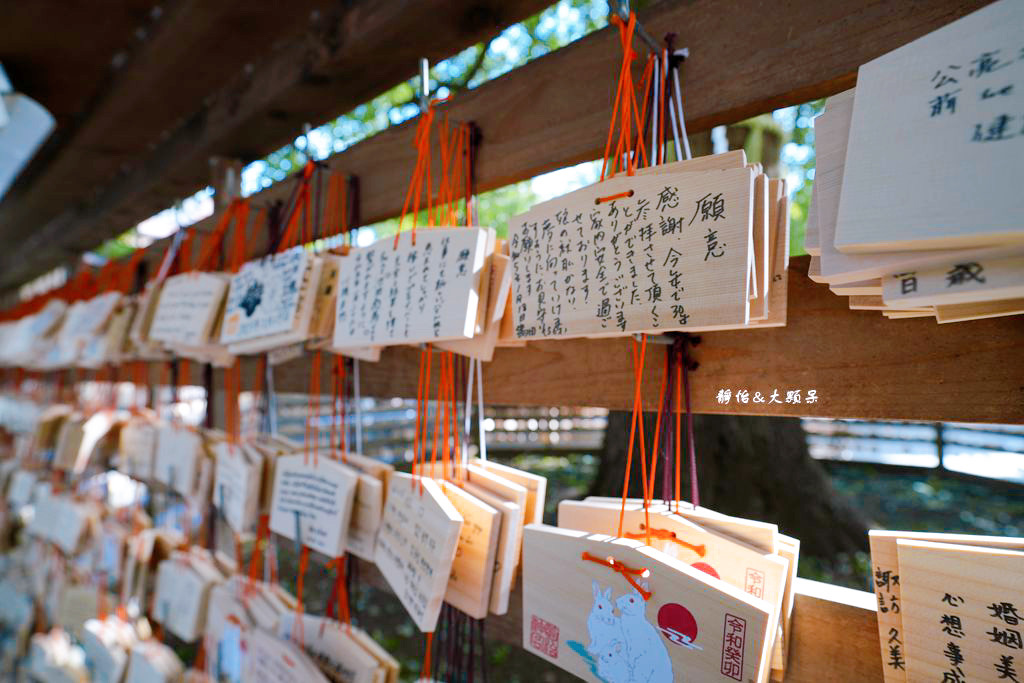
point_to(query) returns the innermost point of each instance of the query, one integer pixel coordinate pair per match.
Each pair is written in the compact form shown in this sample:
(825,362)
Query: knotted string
(627,572)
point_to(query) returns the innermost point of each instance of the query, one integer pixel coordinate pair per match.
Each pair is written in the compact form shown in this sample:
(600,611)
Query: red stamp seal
(734,638)
(544,637)
(754,584)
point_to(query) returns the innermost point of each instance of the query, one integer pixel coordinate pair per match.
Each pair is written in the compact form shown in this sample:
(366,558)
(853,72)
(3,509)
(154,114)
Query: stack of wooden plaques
(950,606)
(914,210)
(456,540)
(692,245)
(724,566)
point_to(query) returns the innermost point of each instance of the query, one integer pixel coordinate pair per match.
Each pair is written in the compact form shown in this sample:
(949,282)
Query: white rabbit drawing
(612,665)
(602,624)
(647,655)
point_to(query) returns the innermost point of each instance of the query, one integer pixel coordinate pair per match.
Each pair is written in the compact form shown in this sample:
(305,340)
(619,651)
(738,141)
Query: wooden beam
(547,114)
(835,630)
(860,364)
(354,52)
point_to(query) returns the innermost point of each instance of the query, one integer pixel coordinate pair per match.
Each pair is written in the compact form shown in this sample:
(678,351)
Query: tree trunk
(753,467)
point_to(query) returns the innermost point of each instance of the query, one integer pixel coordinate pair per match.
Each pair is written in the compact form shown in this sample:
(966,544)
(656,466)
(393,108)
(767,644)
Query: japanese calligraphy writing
(412,293)
(672,253)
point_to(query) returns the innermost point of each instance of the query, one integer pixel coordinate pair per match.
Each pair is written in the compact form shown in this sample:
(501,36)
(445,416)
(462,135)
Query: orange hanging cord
(627,573)
(303,566)
(425,670)
(420,175)
(638,365)
(666,535)
(341,588)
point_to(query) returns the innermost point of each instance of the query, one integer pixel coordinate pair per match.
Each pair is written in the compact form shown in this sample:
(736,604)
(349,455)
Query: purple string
(694,492)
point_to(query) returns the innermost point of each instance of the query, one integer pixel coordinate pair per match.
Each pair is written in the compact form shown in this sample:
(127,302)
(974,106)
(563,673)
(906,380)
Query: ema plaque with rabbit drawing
(615,611)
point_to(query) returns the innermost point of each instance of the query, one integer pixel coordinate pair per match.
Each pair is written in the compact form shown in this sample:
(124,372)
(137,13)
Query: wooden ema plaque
(674,252)
(313,501)
(510,543)
(270,659)
(238,475)
(416,545)
(187,309)
(423,293)
(472,574)
(958,281)
(963,611)
(588,618)
(264,296)
(888,586)
(536,487)
(756,573)
(935,140)
(337,653)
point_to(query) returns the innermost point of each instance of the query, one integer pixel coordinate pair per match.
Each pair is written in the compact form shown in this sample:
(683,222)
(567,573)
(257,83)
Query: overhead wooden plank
(533,119)
(185,50)
(354,52)
(858,363)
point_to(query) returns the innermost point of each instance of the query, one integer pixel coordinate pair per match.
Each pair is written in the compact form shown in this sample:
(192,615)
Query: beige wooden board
(956,313)
(926,133)
(62,521)
(238,478)
(831,136)
(320,494)
(264,296)
(178,453)
(789,550)
(416,545)
(472,574)
(778,291)
(536,486)
(510,541)
(151,661)
(416,293)
(321,324)
(694,224)
(377,468)
(482,345)
(860,288)
(693,627)
(301,320)
(366,514)
(958,281)
(376,650)
(69,440)
(503,488)
(814,270)
(961,600)
(888,582)
(761,230)
(812,232)
(756,573)
(902,315)
(188,307)
(760,535)
(868,303)
(270,659)
(330,645)
(180,599)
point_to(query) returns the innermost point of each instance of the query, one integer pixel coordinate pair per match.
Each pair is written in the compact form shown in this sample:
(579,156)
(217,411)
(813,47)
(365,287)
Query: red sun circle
(706,568)
(677,624)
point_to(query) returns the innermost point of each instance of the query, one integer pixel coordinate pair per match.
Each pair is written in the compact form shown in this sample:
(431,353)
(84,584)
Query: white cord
(480,408)
(359,407)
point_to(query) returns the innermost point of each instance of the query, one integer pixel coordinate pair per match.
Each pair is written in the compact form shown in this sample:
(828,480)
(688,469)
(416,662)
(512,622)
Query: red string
(627,572)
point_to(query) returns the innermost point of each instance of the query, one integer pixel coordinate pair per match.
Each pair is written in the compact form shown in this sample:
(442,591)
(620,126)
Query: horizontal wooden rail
(835,631)
(859,363)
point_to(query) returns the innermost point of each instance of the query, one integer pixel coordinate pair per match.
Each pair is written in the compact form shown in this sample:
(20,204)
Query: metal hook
(424,96)
(623,11)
